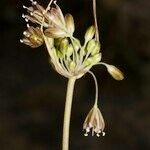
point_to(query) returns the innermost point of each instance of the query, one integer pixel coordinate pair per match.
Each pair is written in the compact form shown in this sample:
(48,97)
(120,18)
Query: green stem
(67,113)
(96,88)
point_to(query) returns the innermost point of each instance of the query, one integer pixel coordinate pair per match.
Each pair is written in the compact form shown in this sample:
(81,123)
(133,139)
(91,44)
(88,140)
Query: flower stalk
(95,20)
(96,88)
(67,113)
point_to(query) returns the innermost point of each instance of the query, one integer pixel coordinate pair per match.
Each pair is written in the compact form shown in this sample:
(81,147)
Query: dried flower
(55,15)
(94,122)
(36,14)
(33,37)
(60,26)
(52,19)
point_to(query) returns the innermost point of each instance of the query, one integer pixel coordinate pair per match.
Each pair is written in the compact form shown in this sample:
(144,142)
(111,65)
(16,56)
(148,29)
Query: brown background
(32,94)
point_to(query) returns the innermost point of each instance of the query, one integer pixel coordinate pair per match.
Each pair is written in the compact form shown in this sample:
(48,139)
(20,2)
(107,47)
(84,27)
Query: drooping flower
(94,122)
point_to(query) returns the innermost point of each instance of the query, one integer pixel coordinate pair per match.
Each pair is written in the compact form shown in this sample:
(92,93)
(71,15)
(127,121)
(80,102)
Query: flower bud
(115,72)
(87,62)
(69,51)
(93,47)
(92,60)
(90,46)
(64,45)
(69,23)
(57,42)
(72,66)
(96,58)
(89,33)
(59,54)
(96,49)
(76,44)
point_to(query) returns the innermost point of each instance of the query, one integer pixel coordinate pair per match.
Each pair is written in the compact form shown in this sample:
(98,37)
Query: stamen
(90,125)
(28,8)
(99,131)
(55,2)
(33,2)
(86,134)
(24,33)
(23,16)
(87,129)
(31,13)
(25,7)
(48,7)
(92,131)
(103,133)
(26,20)
(28,25)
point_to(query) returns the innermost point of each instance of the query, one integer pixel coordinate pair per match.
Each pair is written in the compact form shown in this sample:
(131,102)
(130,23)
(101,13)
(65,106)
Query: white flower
(94,122)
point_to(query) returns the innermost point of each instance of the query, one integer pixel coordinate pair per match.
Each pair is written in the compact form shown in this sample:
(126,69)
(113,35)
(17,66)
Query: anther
(99,131)
(24,33)
(21,41)
(87,129)
(31,13)
(26,20)
(23,16)
(25,7)
(85,134)
(55,2)
(103,133)
(33,2)
(28,25)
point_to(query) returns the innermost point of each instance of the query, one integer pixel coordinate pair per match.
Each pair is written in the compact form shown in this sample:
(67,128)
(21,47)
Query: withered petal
(55,33)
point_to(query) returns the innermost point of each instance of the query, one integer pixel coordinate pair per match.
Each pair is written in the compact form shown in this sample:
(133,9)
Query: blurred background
(32,94)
